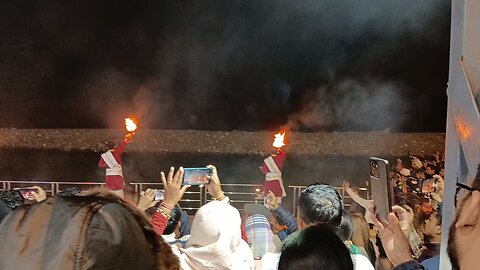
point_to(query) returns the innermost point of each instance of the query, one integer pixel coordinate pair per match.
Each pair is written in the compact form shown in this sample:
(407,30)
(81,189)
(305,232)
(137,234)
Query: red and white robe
(272,168)
(112,160)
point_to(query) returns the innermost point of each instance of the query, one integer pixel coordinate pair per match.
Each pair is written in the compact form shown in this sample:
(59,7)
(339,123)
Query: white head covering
(216,240)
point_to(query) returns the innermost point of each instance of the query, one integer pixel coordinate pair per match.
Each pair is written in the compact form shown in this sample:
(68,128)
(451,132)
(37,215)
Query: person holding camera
(215,241)
(11,199)
(282,221)
(148,202)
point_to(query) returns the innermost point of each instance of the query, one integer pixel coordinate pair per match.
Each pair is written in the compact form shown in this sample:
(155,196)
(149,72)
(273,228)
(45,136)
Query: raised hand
(271,201)
(40,195)
(128,137)
(173,186)
(214,186)
(147,199)
(394,241)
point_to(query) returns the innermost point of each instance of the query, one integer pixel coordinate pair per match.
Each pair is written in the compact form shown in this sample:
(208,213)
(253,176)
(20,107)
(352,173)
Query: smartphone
(26,193)
(382,192)
(159,195)
(196,176)
(429,185)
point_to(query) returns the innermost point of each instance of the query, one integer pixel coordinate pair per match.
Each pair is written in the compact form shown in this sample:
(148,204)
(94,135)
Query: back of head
(173,221)
(215,240)
(304,253)
(111,144)
(82,232)
(321,203)
(345,228)
(9,200)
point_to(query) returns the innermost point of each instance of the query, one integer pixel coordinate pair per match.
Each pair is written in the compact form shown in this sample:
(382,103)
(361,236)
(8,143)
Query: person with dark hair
(172,224)
(283,221)
(216,240)
(303,253)
(148,204)
(464,234)
(71,191)
(432,233)
(94,230)
(112,161)
(401,169)
(320,203)
(12,199)
(174,232)
(345,230)
(430,170)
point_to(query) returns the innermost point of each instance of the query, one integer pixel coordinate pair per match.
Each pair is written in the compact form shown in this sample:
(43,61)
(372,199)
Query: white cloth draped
(113,167)
(215,241)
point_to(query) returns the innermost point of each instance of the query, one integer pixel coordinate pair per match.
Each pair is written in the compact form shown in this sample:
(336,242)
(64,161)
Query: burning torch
(130,126)
(278,142)
(272,168)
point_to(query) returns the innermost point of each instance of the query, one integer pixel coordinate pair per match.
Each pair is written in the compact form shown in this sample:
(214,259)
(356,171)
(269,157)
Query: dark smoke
(225,65)
(362,106)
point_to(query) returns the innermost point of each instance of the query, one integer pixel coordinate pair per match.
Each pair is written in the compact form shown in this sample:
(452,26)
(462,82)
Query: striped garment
(259,235)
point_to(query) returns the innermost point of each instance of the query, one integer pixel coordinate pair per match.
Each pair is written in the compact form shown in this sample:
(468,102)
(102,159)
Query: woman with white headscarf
(215,241)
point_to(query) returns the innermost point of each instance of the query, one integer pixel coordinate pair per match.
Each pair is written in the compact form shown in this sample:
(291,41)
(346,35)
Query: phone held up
(382,192)
(159,195)
(26,193)
(196,176)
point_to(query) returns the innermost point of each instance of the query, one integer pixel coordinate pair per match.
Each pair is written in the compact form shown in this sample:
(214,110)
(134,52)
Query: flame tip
(278,142)
(130,124)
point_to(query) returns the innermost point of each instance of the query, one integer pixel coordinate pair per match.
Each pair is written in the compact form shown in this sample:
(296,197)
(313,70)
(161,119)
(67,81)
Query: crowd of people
(418,191)
(112,229)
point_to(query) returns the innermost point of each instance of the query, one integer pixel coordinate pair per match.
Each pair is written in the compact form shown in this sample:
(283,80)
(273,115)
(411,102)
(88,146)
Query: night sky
(307,65)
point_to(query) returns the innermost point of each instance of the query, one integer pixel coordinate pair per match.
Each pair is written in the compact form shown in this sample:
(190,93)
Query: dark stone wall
(53,165)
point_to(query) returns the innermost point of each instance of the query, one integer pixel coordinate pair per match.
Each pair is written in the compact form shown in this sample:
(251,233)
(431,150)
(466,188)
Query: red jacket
(114,182)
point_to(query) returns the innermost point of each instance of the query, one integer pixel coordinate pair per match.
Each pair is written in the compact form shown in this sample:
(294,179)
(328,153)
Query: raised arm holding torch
(272,168)
(112,160)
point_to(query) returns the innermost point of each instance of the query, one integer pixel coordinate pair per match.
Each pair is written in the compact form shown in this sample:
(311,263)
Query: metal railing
(193,199)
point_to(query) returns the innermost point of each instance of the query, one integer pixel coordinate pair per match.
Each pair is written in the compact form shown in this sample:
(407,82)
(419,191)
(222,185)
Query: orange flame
(278,142)
(130,125)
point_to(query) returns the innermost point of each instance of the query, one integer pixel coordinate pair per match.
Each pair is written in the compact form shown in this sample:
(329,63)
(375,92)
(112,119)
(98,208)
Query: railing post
(203,196)
(295,199)
(53,187)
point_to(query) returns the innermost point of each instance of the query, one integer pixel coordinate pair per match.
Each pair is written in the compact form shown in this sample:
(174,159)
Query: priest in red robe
(112,161)
(272,168)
